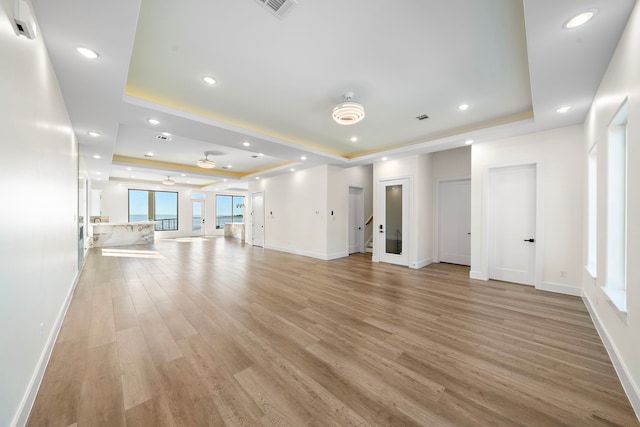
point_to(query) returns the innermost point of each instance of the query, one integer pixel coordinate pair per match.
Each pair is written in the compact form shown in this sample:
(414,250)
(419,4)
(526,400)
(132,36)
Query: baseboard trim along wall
(561,289)
(477,275)
(630,387)
(22,416)
(422,263)
(309,254)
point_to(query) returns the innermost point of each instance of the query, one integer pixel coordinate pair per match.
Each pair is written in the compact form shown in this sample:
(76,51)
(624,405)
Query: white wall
(455,163)
(339,181)
(115,205)
(418,169)
(558,153)
(298,209)
(38,222)
(295,206)
(621,333)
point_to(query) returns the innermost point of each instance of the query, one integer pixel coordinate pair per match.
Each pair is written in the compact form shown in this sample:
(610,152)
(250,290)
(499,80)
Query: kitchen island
(121,234)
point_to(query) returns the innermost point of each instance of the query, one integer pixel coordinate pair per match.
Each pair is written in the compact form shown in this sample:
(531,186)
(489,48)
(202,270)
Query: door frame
(264,231)
(436,225)
(361,220)
(203,223)
(407,243)
(486,211)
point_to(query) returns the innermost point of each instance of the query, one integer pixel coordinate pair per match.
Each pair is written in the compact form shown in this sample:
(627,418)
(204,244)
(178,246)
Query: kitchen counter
(121,234)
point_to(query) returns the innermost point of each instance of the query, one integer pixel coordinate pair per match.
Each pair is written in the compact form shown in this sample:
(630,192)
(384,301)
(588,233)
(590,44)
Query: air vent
(422,117)
(255,156)
(163,138)
(278,8)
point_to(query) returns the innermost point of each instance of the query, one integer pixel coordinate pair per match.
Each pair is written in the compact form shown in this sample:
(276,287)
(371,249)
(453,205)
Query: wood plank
(218,333)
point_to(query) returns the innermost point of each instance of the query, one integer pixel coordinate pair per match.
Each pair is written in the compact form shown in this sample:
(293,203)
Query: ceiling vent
(163,137)
(422,117)
(278,8)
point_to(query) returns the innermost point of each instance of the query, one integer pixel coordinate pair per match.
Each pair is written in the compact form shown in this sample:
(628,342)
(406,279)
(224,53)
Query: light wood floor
(221,334)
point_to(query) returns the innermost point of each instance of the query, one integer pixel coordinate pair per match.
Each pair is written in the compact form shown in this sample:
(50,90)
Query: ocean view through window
(149,205)
(229,209)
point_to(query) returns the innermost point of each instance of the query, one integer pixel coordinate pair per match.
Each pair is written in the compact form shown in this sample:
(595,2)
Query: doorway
(454,221)
(393,222)
(356,220)
(197,218)
(257,216)
(512,224)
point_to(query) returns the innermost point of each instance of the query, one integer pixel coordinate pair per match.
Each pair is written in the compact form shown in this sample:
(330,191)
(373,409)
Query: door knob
(530,240)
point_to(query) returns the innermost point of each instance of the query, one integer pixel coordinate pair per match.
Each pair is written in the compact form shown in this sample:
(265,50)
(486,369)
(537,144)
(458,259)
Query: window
(592,212)
(148,205)
(616,280)
(229,209)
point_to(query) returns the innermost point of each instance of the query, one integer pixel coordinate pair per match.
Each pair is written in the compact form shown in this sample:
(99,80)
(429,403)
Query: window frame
(151,209)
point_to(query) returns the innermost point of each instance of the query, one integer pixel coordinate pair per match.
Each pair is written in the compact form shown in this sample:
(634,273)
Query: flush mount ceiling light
(153,121)
(463,107)
(348,112)
(206,163)
(563,109)
(246,144)
(88,53)
(168,181)
(93,133)
(580,19)
(209,80)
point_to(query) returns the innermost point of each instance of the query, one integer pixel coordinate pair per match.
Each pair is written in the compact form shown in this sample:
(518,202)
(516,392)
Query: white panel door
(257,216)
(356,220)
(454,221)
(393,222)
(512,224)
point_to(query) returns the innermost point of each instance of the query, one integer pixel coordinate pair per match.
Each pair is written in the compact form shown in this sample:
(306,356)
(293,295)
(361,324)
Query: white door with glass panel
(512,224)
(197,218)
(257,219)
(392,224)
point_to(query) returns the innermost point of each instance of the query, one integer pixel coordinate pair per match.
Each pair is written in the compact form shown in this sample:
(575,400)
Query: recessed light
(93,133)
(469,141)
(563,109)
(149,154)
(228,166)
(129,169)
(166,134)
(154,121)
(463,107)
(260,154)
(580,19)
(303,158)
(246,143)
(224,180)
(354,139)
(292,170)
(257,177)
(183,174)
(209,80)
(88,53)
(96,156)
(384,159)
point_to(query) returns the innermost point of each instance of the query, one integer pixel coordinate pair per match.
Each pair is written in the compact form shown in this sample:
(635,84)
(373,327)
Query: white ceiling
(278,79)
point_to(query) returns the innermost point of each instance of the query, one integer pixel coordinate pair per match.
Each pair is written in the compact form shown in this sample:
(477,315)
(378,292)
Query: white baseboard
(478,275)
(561,289)
(22,416)
(422,263)
(298,252)
(337,255)
(630,387)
